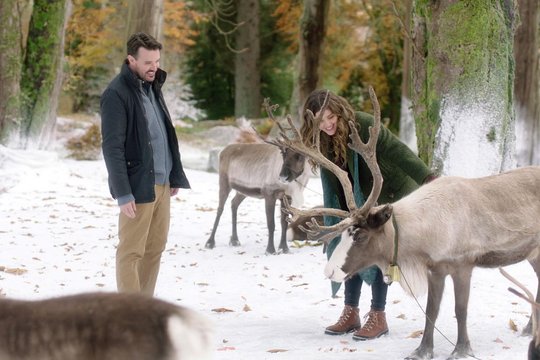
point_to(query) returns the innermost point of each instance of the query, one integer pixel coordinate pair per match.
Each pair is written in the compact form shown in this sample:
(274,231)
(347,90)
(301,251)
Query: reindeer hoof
(234,242)
(210,245)
(462,351)
(420,354)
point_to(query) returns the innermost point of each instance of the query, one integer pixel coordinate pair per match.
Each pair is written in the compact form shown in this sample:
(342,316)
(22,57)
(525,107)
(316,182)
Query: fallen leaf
(222,310)
(497,340)
(246,308)
(273,351)
(512,325)
(416,334)
(401,316)
(226,348)
(15,271)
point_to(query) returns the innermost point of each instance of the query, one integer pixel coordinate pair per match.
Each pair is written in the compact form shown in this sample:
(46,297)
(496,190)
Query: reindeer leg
(235,203)
(462,286)
(270,205)
(435,292)
(224,190)
(283,243)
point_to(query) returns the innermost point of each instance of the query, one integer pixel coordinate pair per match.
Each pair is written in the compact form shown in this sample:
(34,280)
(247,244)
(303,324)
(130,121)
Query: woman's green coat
(402,172)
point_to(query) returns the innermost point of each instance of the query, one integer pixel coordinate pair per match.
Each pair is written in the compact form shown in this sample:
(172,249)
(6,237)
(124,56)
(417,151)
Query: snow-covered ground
(58,236)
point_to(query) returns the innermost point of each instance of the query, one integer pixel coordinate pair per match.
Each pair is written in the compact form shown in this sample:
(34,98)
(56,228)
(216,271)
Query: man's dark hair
(144,40)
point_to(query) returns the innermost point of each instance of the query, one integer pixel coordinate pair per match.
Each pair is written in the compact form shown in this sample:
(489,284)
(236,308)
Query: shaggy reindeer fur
(102,326)
(448,227)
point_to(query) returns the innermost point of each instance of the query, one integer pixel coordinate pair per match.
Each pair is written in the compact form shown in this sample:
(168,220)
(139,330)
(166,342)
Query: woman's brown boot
(347,322)
(374,327)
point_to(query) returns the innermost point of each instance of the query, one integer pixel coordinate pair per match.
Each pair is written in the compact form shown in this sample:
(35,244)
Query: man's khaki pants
(142,241)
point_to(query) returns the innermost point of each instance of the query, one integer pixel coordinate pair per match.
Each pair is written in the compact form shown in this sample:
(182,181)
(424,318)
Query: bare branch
(221,9)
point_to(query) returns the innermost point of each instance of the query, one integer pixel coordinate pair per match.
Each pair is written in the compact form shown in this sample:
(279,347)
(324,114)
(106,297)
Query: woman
(402,172)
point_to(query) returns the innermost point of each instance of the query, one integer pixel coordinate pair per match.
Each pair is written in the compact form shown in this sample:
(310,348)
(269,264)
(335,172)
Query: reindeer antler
(366,150)
(528,296)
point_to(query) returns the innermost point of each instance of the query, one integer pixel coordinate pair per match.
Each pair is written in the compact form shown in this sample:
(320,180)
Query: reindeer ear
(379,216)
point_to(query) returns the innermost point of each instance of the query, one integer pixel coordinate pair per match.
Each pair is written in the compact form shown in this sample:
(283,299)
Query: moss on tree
(41,62)
(465,50)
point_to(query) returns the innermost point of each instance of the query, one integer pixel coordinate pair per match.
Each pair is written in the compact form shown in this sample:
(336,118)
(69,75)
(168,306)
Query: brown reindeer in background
(99,326)
(263,171)
(446,227)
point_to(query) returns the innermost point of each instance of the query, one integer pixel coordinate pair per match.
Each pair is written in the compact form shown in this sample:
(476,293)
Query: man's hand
(174,191)
(129,209)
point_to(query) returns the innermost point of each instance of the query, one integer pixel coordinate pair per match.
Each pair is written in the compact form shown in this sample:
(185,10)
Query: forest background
(449,74)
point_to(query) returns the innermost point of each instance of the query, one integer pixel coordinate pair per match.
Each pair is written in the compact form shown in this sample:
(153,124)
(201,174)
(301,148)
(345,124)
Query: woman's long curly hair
(333,147)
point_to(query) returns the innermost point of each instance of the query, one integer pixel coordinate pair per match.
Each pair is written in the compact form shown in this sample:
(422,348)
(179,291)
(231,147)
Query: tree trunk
(407,128)
(312,32)
(247,74)
(527,102)
(42,73)
(145,16)
(10,67)
(463,76)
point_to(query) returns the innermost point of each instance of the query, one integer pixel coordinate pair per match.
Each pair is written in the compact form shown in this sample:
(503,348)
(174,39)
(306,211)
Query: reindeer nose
(284,178)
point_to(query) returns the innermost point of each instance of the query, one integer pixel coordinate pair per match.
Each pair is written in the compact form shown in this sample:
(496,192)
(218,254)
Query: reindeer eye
(352,231)
(357,233)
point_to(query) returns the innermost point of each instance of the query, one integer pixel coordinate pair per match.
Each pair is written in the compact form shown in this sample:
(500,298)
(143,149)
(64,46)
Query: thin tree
(312,33)
(407,128)
(247,74)
(463,77)
(42,70)
(146,16)
(10,66)
(527,94)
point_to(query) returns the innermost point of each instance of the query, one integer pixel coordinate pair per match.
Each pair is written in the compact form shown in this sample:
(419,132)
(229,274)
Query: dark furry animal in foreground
(102,326)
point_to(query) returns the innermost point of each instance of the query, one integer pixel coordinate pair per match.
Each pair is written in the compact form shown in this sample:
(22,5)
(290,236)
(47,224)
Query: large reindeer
(264,171)
(99,326)
(446,227)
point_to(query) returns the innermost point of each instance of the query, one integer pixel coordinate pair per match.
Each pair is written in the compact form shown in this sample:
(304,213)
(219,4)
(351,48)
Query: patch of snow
(471,141)
(58,229)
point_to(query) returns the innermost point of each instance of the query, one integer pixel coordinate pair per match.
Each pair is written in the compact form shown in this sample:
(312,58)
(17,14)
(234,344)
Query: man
(141,153)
